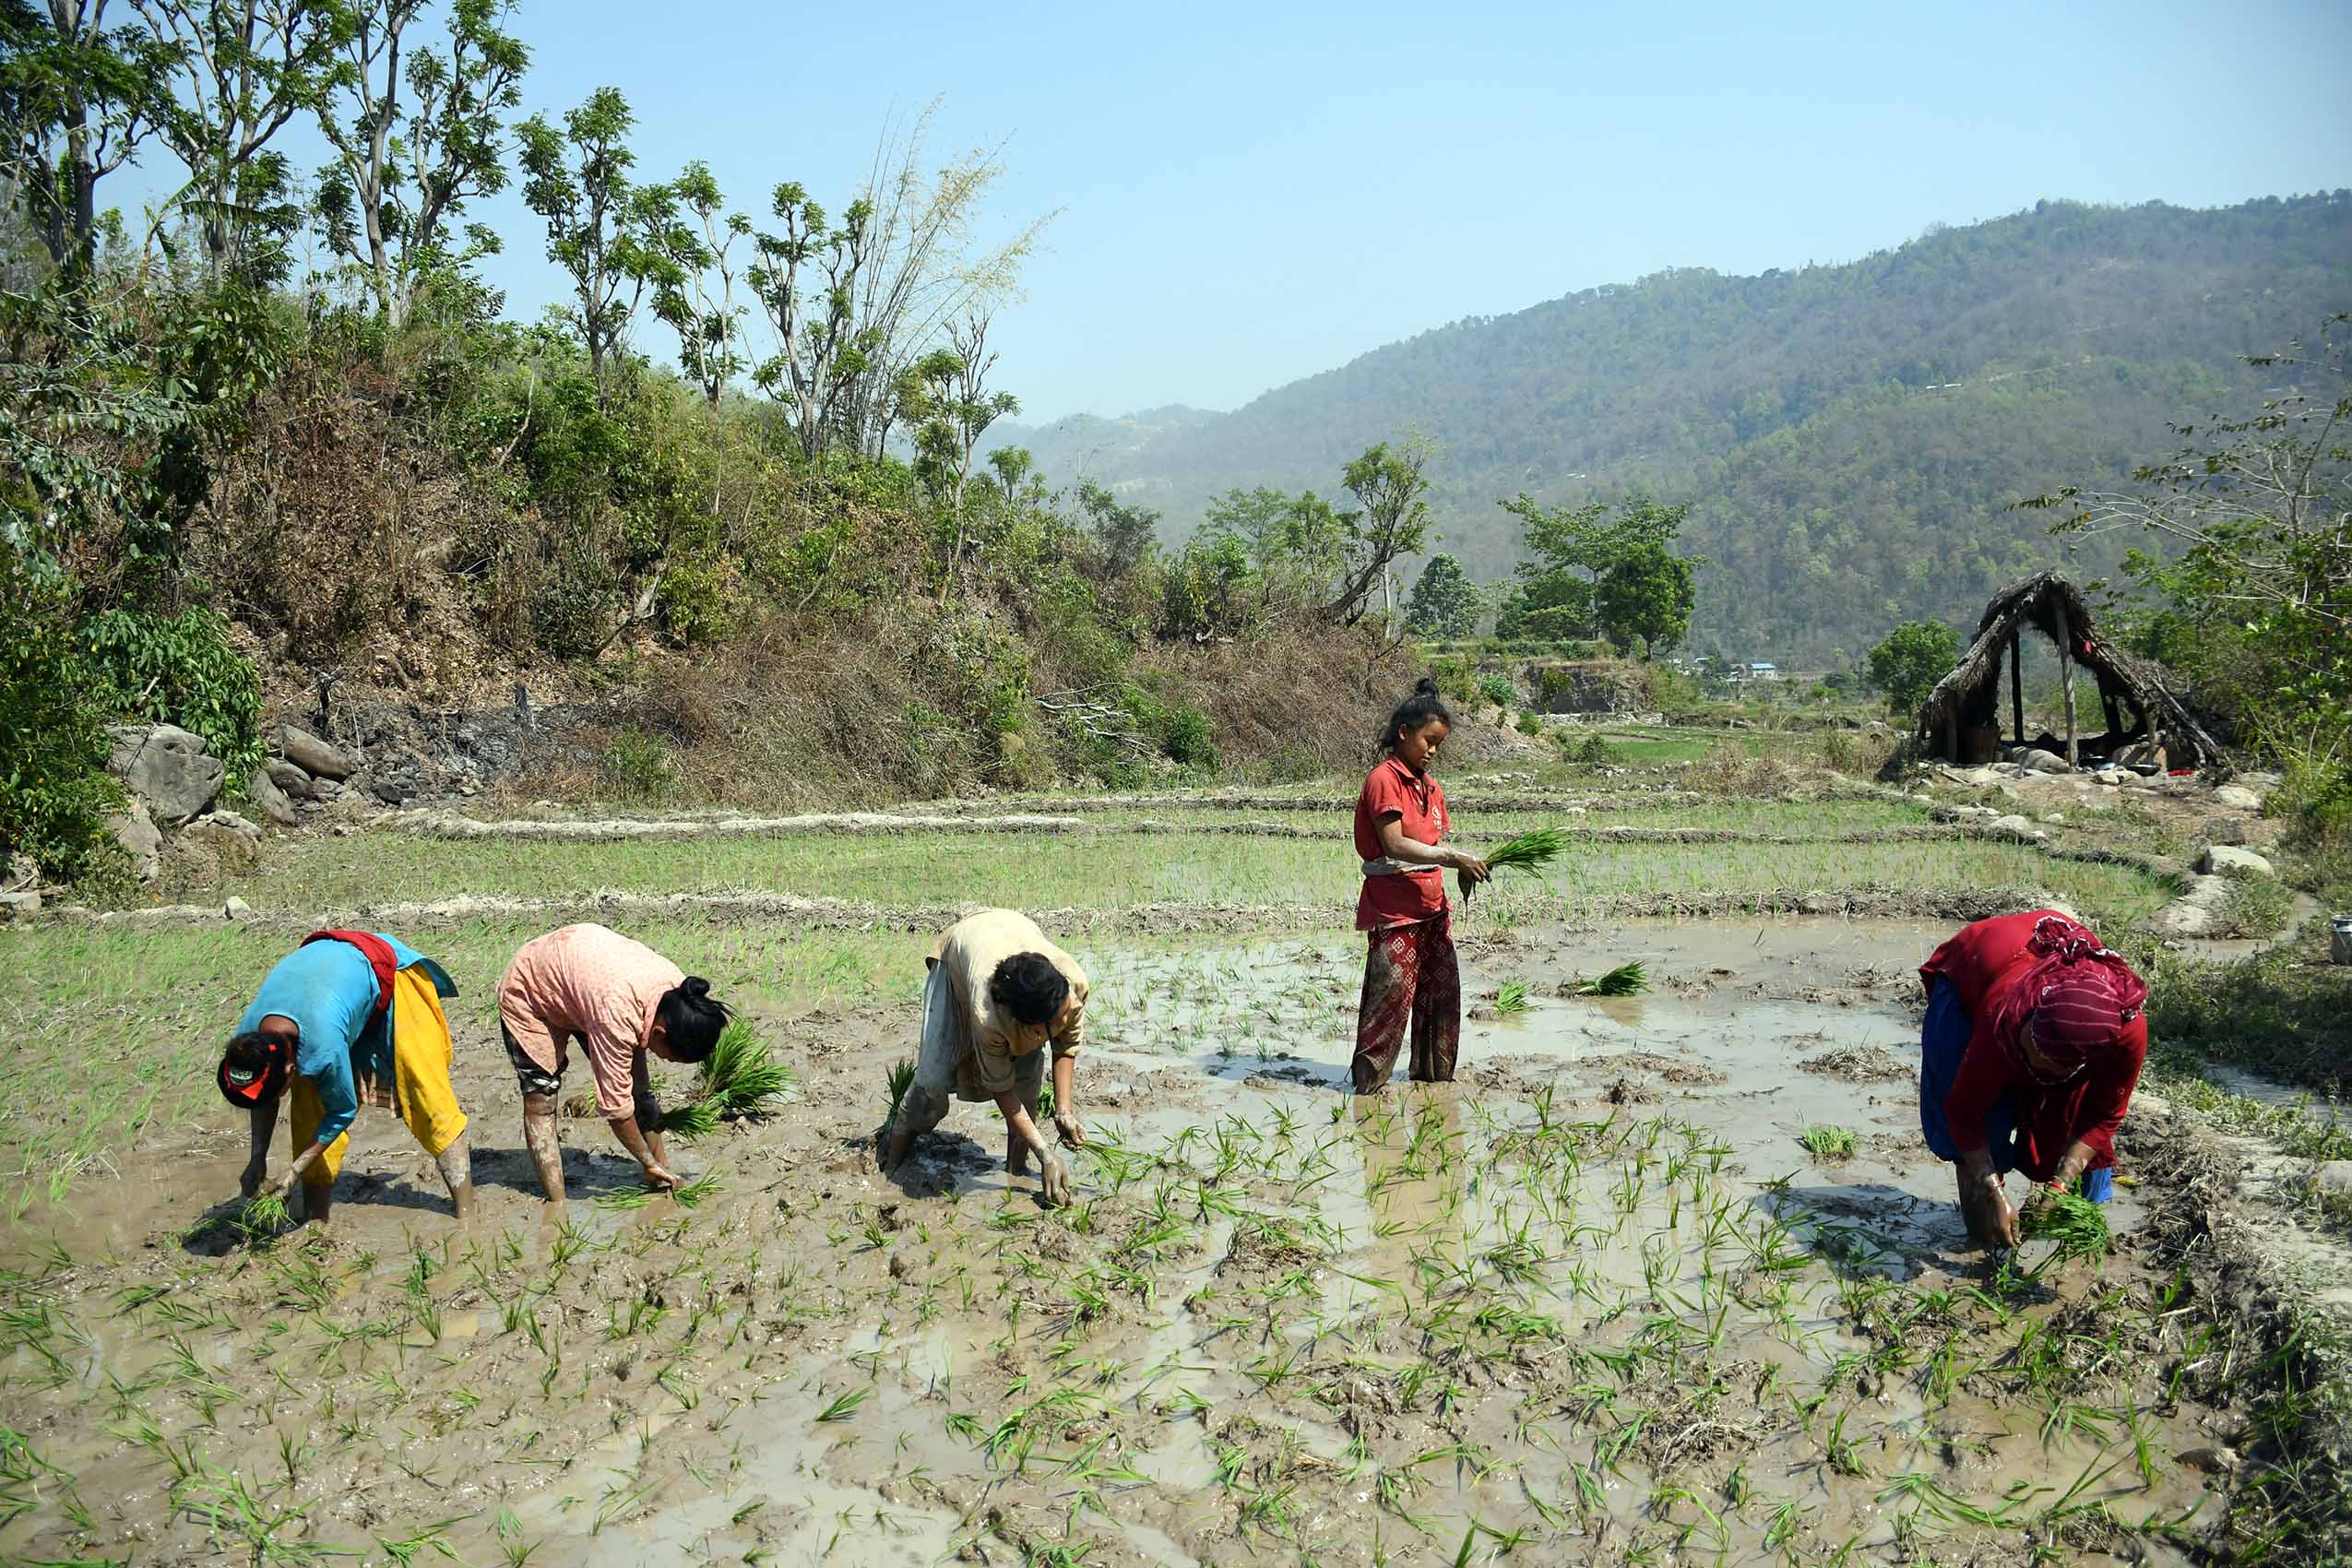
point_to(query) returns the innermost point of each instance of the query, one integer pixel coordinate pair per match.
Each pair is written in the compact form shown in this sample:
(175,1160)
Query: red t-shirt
(1403,898)
(1979,961)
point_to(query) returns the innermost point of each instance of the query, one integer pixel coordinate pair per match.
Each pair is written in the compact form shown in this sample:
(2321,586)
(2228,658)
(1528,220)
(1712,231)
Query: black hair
(1030,987)
(256,1051)
(1415,711)
(691,1019)
(253,1066)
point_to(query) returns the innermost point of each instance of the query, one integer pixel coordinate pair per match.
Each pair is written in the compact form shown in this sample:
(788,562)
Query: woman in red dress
(1410,971)
(2033,1043)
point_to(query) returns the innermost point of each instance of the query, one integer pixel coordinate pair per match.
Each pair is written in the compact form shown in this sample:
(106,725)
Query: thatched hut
(1961,719)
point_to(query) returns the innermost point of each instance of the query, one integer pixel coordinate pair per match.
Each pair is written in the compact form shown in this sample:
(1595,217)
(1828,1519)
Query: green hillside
(1849,437)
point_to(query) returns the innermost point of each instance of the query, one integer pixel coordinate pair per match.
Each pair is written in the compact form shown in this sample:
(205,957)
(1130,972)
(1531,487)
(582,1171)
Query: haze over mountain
(1850,438)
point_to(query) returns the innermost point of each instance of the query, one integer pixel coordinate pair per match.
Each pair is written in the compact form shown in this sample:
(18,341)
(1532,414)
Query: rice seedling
(842,1408)
(695,1119)
(2076,1225)
(1625,979)
(1512,1000)
(264,1217)
(1824,1142)
(1529,851)
(740,1080)
(900,1078)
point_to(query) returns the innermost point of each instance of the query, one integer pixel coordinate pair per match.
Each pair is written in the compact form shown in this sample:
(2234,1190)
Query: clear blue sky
(1250,194)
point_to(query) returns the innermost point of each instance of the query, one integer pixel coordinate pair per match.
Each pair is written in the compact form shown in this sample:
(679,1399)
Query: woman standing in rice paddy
(1411,972)
(621,999)
(2033,1043)
(349,1017)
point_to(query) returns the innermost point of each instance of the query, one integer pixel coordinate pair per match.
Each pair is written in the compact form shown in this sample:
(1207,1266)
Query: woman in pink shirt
(621,999)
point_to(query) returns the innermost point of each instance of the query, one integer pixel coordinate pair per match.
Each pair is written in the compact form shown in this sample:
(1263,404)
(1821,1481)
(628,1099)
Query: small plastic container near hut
(2340,932)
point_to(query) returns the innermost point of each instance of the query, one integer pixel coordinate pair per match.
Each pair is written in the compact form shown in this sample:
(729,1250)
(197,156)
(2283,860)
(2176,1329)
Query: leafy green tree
(1649,594)
(694,280)
(956,409)
(578,181)
(239,70)
(1125,534)
(76,99)
(2253,578)
(1915,655)
(403,172)
(1445,603)
(806,277)
(1551,605)
(1391,486)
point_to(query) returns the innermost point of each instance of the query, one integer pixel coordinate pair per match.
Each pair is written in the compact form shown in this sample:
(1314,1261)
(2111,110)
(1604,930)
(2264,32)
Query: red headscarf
(2077,996)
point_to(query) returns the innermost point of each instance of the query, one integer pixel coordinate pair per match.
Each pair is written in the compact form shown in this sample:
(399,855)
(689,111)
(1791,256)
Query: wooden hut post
(2016,685)
(2066,677)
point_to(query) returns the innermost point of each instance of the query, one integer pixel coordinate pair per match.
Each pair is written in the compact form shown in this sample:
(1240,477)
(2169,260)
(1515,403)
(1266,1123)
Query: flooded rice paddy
(1592,1302)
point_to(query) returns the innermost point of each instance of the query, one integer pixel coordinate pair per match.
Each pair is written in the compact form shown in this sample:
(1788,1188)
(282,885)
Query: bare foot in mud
(891,1147)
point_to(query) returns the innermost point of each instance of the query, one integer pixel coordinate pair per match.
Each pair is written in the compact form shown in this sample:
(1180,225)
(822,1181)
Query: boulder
(242,827)
(210,846)
(2221,857)
(2238,797)
(165,767)
(20,906)
(313,755)
(2033,759)
(2226,830)
(2012,824)
(2330,1179)
(290,779)
(270,799)
(2196,912)
(135,829)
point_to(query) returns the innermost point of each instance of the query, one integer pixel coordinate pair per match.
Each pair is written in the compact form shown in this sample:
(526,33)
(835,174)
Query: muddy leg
(547,1149)
(1029,1078)
(1972,1210)
(457,1165)
(318,1202)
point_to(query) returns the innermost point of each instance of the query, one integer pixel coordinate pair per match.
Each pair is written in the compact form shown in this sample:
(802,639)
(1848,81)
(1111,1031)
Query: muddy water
(1593,1302)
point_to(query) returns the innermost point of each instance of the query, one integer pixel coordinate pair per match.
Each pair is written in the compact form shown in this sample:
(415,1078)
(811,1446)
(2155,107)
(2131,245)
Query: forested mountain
(1850,438)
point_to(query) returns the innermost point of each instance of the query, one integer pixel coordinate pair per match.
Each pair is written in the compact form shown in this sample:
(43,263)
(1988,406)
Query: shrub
(1530,725)
(1186,738)
(638,767)
(179,669)
(1498,690)
(53,792)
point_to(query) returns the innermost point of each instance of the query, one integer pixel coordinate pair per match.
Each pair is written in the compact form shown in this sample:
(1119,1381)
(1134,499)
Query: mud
(1526,1313)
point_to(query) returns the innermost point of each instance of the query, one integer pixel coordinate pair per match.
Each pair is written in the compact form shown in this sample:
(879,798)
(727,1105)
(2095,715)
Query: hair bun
(695,987)
(1425,687)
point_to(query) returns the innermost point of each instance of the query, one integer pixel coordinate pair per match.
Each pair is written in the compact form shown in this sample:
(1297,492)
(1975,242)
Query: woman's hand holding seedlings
(1073,1130)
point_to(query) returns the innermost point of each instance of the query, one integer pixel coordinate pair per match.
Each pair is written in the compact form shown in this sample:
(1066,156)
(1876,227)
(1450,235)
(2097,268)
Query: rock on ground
(2035,760)
(2222,857)
(135,829)
(289,778)
(2239,796)
(2330,1178)
(167,767)
(2226,830)
(2196,912)
(270,799)
(314,756)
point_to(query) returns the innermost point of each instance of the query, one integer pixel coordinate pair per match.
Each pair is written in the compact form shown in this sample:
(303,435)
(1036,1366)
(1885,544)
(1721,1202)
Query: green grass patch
(1825,1142)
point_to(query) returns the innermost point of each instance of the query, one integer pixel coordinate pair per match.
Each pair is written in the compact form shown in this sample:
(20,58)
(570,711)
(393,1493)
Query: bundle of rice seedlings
(1511,998)
(1530,851)
(265,1216)
(1828,1143)
(2077,1225)
(740,1076)
(695,1119)
(901,1078)
(1625,979)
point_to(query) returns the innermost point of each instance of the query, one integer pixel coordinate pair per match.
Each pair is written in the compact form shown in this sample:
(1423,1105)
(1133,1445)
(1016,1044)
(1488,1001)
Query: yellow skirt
(423,1095)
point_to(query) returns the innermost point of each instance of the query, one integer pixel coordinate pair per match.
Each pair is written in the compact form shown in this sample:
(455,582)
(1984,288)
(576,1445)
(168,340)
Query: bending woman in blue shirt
(346,1018)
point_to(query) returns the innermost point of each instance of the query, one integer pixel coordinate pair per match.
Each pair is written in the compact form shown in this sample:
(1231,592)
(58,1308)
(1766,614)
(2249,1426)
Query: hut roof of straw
(2039,602)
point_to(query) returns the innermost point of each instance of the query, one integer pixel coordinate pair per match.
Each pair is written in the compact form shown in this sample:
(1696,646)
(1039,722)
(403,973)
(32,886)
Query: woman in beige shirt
(998,993)
(620,999)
